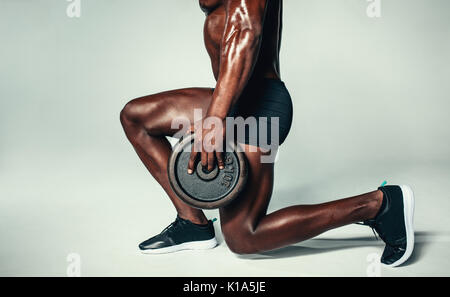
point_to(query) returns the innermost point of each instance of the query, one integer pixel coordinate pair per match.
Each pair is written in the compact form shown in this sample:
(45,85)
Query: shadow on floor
(324,245)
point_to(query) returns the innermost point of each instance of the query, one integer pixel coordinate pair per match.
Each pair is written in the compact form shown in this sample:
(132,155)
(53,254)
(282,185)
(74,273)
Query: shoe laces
(373,227)
(172,226)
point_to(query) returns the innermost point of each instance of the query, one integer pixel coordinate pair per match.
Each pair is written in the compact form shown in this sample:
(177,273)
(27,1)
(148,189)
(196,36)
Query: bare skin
(243,40)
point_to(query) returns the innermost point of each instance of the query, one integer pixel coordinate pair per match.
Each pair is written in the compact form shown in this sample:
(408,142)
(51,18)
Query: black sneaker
(394,224)
(181,235)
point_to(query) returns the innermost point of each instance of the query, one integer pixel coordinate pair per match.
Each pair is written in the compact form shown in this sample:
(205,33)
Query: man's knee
(239,240)
(131,112)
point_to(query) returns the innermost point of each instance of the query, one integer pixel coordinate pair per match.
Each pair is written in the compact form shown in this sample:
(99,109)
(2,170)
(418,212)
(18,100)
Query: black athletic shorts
(264,100)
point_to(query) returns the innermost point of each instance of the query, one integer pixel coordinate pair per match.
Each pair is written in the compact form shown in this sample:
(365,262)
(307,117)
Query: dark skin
(243,39)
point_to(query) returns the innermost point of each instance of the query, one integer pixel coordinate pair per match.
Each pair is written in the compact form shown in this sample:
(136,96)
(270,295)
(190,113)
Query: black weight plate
(206,189)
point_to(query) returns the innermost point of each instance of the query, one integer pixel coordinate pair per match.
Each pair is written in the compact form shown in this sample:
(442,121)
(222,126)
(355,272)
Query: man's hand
(209,139)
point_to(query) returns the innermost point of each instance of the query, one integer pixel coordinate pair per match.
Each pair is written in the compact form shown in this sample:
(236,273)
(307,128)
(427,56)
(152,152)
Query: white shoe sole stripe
(190,245)
(408,210)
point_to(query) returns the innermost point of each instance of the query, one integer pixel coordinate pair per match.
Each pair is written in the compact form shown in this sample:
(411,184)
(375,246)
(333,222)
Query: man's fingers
(192,161)
(210,161)
(204,158)
(219,156)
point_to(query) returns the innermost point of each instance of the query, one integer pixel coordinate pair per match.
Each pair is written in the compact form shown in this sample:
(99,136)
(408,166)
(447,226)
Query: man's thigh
(157,111)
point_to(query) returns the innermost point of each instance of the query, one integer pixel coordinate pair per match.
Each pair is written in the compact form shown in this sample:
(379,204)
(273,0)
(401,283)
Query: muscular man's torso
(267,64)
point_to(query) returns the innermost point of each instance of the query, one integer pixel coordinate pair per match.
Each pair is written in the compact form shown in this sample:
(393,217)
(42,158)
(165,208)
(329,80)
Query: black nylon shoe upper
(390,224)
(178,232)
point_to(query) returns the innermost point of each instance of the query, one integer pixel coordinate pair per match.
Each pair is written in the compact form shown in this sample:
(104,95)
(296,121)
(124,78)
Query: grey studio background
(371,100)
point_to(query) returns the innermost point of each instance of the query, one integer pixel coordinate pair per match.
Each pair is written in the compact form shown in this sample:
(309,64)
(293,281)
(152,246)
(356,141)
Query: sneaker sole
(408,211)
(191,245)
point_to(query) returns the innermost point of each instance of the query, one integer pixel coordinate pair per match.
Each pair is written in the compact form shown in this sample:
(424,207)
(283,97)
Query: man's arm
(239,51)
